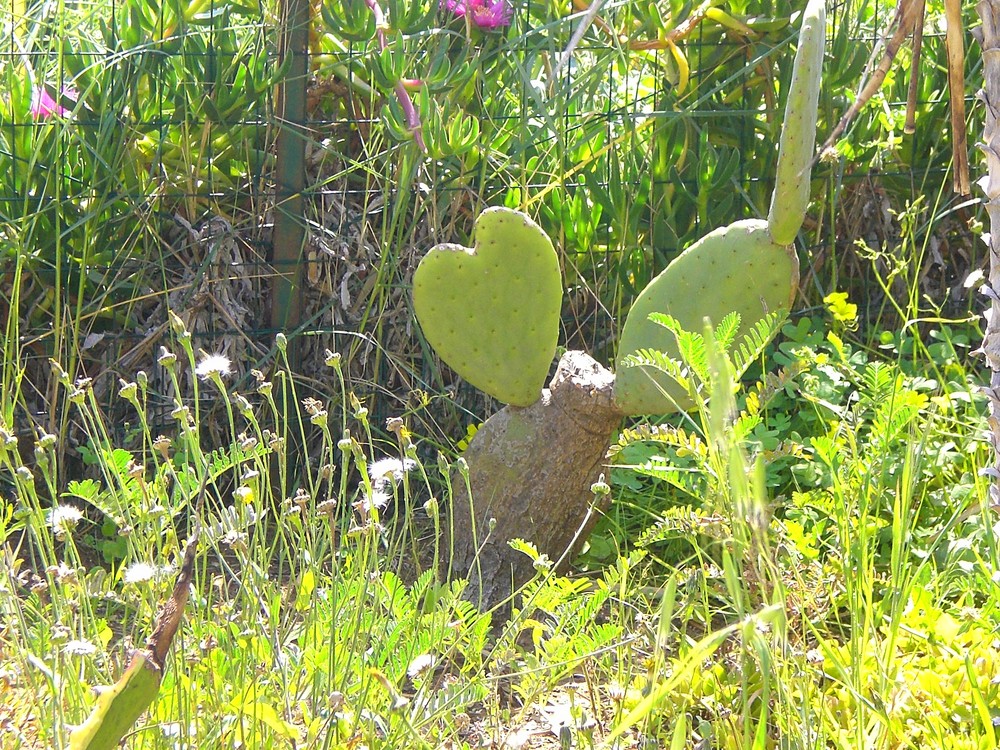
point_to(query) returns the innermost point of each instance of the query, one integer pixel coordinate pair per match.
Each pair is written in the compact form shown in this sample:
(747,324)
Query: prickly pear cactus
(735,269)
(798,134)
(491,312)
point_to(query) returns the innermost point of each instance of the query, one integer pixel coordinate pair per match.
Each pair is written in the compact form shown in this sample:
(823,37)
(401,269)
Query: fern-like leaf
(773,383)
(690,344)
(894,414)
(684,442)
(879,380)
(660,361)
(694,353)
(784,449)
(744,426)
(725,332)
(667,321)
(753,344)
(686,522)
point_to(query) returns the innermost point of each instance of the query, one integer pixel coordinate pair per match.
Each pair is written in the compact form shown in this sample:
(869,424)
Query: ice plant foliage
(402,95)
(485,14)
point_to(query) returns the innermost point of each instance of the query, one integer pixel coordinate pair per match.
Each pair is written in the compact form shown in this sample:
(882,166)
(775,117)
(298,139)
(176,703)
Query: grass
(806,562)
(856,610)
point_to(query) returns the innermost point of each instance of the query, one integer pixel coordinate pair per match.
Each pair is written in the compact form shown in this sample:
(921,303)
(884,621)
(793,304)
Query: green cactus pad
(491,312)
(798,135)
(734,269)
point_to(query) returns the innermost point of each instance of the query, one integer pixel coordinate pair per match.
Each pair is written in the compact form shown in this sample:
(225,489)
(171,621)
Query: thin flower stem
(410,111)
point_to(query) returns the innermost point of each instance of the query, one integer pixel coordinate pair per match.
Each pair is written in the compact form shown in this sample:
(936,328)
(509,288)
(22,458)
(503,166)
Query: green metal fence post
(289,220)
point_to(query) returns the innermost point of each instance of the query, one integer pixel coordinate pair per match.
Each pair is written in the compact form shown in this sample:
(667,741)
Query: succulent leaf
(119,706)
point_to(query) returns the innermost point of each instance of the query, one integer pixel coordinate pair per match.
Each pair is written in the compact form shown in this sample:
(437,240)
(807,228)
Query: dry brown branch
(583,5)
(908,20)
(906,13)
(955,45)
(911,95)
(676,34)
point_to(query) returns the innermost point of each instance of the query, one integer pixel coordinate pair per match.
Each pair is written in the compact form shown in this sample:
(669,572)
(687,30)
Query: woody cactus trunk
(988,36)
(492,314)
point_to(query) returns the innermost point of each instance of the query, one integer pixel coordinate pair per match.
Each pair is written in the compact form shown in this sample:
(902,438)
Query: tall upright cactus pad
(735,269)
(798,135)
(491,312)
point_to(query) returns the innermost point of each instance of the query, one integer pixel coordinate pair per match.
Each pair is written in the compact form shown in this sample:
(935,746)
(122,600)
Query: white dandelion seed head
(212,366)
(616,692)
(378,499)
(77,647)
(419,665)
(387,470)
(62,572)
(139,572)
(64,518)
(235,539)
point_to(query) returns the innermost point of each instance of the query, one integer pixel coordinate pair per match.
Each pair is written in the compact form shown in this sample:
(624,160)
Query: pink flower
(486,14)
(43,106)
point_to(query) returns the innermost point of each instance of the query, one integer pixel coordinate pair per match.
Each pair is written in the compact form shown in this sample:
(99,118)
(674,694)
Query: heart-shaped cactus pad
(491,311)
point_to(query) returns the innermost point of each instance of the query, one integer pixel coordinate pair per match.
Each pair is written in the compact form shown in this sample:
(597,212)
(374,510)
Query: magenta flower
(486,14)
(43,106)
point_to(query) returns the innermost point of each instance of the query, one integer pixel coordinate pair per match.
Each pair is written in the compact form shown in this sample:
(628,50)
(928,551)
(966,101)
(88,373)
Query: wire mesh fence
(142,172)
